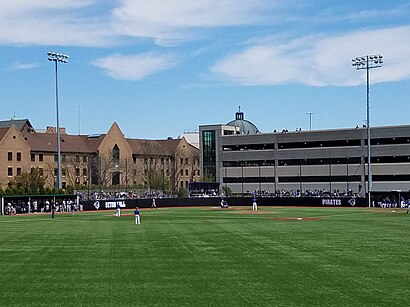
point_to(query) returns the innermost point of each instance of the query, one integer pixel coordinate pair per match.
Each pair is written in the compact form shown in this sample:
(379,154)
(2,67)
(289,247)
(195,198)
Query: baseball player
(254,204)
(153,206)
(53,210)
(408,207)
(118,212)
(222,203)
(137,216)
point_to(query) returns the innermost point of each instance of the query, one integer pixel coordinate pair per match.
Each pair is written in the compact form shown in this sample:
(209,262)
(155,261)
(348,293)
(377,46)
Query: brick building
(103,160)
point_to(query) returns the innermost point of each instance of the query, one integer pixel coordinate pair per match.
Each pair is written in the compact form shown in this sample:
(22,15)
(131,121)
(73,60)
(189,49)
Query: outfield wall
(215,202)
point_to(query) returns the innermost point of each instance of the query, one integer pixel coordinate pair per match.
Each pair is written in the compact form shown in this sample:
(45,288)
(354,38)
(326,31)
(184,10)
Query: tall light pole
(56,58)
(368,62)
(310,119)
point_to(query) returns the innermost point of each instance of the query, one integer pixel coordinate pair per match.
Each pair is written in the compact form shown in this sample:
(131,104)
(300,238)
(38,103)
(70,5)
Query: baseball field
(207,257)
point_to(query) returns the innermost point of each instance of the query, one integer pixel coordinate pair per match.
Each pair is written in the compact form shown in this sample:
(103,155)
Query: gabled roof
(3,132)
(47,142)
(170,145)
(93,141)
(153,147)
(18,122)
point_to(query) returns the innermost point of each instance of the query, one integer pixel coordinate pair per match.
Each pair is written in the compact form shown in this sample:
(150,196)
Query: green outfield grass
(203,257)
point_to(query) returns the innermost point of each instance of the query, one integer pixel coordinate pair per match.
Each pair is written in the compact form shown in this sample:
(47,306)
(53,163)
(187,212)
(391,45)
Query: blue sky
(159,67)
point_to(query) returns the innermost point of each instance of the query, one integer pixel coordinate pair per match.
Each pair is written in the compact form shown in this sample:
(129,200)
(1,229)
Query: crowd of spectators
(40,206)
(118,195)
(305,193)
(111,195)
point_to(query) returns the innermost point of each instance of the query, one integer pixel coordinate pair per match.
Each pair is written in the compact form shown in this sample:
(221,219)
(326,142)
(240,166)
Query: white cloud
(319,61)
(98,23)
(23,66)
(19,7)
(135,67)
(50,22)
(167,19)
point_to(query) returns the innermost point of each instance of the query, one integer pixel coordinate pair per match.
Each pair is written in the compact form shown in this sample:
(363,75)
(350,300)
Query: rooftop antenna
(310,119)
(79,120)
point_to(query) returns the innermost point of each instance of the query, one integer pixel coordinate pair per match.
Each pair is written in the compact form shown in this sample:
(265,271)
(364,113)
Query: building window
(186,160)
(64,172)
(186,184)
(77,172)
(55,172)
(186,172)
(33,157)
(84,172)
(85,159)
(116,153)
(209,154)
(40,157)
(55,158)
(77,158)
(182,161)
(167,172)
(10,171)
(9,156)
(40,170)
(134,160)
(18,156)
(64,185)
(18,171)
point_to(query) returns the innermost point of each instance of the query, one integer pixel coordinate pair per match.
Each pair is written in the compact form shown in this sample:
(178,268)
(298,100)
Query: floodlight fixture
(368,62)
(56,58)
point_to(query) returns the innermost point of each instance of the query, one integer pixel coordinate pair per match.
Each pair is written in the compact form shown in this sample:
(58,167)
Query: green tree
(158,181)
(27,183)
(182,192)
(70,189)
(227,191)
(208,177)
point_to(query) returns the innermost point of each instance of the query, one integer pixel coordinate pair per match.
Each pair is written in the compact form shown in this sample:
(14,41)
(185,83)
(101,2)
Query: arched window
(116,153)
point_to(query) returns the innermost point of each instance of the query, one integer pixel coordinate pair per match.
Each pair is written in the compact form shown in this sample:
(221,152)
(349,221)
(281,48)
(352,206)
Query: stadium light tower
(368,62)
(58,58)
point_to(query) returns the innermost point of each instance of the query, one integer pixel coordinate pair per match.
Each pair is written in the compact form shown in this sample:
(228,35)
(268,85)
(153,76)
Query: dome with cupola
(245,126)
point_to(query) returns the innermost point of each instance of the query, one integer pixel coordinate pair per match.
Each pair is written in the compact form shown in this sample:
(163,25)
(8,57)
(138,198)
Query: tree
(227,191)
(158,181)
(72,166)
(28,182)
(182,192)
(183,158)
(103,167)
(153,157)
(208,177)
